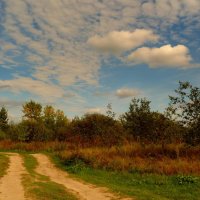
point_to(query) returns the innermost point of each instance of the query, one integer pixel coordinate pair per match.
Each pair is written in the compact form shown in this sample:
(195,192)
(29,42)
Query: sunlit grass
(4,164)
(39,186)
(141,186)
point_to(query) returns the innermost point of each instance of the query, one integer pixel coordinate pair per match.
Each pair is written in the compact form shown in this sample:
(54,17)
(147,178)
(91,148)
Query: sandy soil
(84,191)
(10,185)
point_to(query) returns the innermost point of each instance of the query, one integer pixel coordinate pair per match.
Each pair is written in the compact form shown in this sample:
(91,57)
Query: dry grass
(153,159)
(33,146)
(173,159)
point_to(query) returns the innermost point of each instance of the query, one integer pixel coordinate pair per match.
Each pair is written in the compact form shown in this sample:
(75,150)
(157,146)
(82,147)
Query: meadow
(128,170)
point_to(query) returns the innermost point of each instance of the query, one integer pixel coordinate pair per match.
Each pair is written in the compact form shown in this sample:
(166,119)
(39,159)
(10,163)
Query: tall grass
(133,157)
(8,145)
(152,158)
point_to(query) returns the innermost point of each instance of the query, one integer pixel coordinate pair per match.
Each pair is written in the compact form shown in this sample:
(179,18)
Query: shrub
(2,135)
(97,129)
(182,180)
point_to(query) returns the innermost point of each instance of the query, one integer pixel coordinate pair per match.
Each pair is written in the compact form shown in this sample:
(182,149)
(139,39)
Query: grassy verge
(40,187)
(142,186)
(4,163)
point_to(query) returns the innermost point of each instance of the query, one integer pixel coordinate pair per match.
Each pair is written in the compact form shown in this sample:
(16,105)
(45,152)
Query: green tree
(32,111)
(185,107)
(3,119)
(49,117)
(138,120)
(61,125)
(32,120)
(60,119)
(97,129)
(110,112)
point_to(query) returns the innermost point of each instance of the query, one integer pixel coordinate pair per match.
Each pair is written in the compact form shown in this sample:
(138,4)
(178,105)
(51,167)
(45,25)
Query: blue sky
(80,55)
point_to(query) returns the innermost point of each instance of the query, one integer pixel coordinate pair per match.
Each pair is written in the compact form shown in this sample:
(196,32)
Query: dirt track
(11,186)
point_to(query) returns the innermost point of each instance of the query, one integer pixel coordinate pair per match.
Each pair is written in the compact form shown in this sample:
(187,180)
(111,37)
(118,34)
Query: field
(127,171)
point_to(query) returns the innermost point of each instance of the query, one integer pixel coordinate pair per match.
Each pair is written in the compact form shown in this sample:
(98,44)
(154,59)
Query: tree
(32,111)
(3,119)
(138,120)
(185,107)
(97,129)
(110,112)
(61,124)
(165,130)
(32,120)
(49,117)
(61,119)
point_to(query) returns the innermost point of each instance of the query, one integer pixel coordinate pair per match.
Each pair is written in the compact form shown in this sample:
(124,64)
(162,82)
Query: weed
(182,180)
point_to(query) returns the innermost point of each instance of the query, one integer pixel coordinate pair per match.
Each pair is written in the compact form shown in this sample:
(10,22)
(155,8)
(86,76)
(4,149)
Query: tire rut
(85,191)
(11,187)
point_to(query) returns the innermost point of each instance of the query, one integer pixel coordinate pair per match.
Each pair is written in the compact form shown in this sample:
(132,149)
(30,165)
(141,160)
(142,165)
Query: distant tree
(60,119)
(110,112)
(61,125)
(49,116)
(32,120)
(3,119)
(32,111)
(185,107)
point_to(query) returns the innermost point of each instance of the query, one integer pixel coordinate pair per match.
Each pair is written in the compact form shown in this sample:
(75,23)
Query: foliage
(40,126)
(142,186)
(138,120)
(32,111)
(185,107)
(97,128)
(60,119)
(49,117)
(110,112)
(181,179)
(3,119)
(2,135)
(181,123)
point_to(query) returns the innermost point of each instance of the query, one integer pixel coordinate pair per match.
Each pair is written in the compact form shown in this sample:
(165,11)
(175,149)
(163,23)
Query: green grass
(134,184)
(39,186)
(4,164)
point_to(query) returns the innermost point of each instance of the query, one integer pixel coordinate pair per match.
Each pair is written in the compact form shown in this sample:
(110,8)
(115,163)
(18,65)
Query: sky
(80,55)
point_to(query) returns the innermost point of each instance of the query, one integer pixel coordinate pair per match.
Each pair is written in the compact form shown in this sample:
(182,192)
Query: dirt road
(84,191)
(10,185)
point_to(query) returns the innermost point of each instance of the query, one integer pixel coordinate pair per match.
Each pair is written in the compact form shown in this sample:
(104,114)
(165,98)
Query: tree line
(180,123)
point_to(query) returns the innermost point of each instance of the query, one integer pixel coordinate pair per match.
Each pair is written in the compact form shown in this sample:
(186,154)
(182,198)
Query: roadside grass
(150,159)
(4,164)
(40,187)
(142,186)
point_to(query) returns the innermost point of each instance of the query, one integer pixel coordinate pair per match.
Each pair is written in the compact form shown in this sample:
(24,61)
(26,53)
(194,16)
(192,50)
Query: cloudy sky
(80,55)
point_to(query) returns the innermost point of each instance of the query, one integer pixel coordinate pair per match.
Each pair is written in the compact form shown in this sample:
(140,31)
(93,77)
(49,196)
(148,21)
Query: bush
(182,180)
(18,132)
(2,135)
(97,129)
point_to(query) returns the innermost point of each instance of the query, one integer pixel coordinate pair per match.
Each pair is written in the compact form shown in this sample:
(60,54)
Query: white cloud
(93,110)
(127,92)
(119,41)
(165,56)
(39,88)
(51,37)
(10,103)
